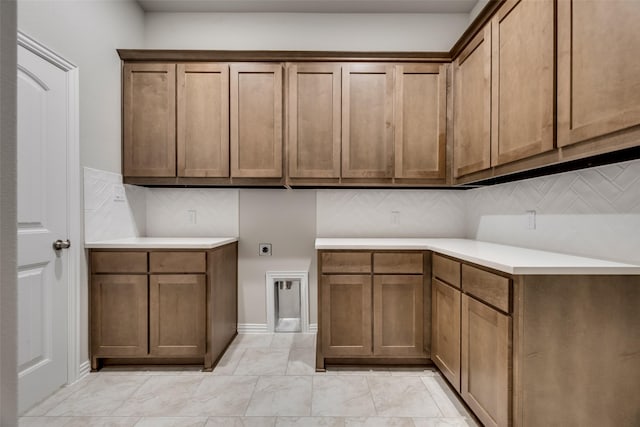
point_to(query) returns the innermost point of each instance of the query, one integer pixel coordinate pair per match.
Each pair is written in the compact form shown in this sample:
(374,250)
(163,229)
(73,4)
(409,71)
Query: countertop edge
(115,244)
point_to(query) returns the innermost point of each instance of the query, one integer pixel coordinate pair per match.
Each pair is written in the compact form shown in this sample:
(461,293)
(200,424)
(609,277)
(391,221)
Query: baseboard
(252,328)
(313,328)
(83,370)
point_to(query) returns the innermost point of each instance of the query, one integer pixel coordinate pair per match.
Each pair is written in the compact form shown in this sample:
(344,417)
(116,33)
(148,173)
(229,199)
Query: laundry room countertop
(508,259)
(161,243)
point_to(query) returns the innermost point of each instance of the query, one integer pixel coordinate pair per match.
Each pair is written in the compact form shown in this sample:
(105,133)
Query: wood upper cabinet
(118,315)
(420,121)
(486,362)
(397,315)
(367,121)
(598,68)
(256,120)
(472,106)
(445,332)
(149,120)
(177,316)
(523,57)
(314,120)
(346,315)
(203,120)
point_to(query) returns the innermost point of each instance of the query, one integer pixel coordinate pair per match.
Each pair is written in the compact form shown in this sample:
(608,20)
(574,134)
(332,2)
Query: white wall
(287,220)
(304,31)
(88,33)
(8,222)
(593,212)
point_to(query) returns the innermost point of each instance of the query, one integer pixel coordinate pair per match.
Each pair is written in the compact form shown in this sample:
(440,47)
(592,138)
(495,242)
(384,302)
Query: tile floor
(262,380)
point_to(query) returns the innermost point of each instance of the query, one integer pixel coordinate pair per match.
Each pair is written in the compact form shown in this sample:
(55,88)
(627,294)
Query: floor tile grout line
(371,394)
(432,397)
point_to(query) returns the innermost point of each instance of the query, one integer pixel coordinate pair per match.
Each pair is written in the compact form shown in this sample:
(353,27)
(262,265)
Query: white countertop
(161,243)
(508,259)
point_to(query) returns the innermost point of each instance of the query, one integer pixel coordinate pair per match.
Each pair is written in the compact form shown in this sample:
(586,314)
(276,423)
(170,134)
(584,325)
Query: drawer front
(488,287)
(446,270)
(178,262)
(118,262)
(346,262)
(398,262)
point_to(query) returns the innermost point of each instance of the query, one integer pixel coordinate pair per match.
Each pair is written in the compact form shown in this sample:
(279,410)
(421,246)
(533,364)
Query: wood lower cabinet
(174,306)
(346,315)
(445,335)
(177,314)
(397,308)
(598,76)
(373,307)
(119,313)
(256,120)
(486,362)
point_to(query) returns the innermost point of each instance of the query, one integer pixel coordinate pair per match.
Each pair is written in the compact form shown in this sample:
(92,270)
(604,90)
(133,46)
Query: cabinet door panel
(177,318)
(367,114)
(472,106)
(598,68)
(486,356)
(421,116)
(523,79)
(314,120)
(203,120)
(397,315)
(118,315)
(445,336)
(346,315)
(256,120)
(149,120)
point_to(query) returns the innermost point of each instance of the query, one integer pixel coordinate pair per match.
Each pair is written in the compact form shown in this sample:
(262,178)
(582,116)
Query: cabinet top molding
(277,56)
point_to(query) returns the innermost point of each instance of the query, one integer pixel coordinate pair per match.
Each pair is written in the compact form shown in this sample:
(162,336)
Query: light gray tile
(378,422)
(286,395)
(402,397)
(99,397)
(59,396)
(412,372)
(252,341)
(294,340)
(78,421)
(263,361)
(220,396)
(172,422)
(302,361)
(445,404)
(441,422)
(229,361)
(358,370)
(161,396)
(241,422)
(309,422)
(342,396)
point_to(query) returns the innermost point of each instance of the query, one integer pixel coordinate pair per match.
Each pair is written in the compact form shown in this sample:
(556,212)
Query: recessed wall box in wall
(264,249)
(118,193)
(531,220)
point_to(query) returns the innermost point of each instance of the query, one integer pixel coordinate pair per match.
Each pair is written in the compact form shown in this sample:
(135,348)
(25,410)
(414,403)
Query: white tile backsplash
(592,212)
(170,211)
(390,213)
(108,218)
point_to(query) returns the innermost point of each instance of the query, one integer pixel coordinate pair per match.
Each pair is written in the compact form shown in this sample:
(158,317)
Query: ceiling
(310,6)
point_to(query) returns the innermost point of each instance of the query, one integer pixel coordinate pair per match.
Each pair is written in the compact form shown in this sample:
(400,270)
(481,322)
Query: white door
(42,219)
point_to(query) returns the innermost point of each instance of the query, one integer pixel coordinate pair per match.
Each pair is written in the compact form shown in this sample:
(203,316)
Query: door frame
(75,368)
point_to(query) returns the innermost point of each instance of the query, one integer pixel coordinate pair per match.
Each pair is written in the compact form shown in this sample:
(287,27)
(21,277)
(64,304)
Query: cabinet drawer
(488,287)
(346,262)
(118,262)
(398,262)
(178,262)
(446,270)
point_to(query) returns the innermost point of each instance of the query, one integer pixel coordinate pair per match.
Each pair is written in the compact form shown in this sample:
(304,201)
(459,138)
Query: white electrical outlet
(531,220)
(192,216)
(118,193)
(395,218)
(264,249)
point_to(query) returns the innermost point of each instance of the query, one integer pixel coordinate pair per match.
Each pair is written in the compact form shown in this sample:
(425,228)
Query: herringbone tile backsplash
(593,212)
